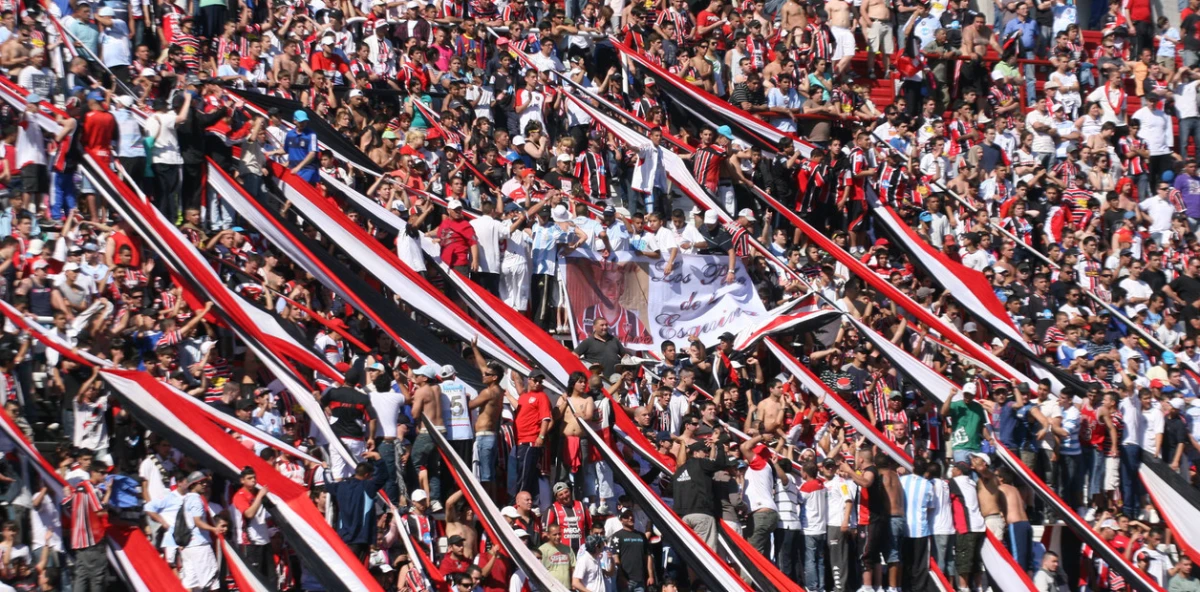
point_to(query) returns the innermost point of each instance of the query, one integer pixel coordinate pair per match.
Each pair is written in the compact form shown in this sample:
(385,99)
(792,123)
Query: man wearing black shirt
(693,485)
(1185,288)
(634,563)
(352,418)
(601,347)
(1175,437)
(561,178)
(857,368)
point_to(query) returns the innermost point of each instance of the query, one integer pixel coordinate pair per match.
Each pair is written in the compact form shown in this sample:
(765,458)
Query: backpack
(183,531)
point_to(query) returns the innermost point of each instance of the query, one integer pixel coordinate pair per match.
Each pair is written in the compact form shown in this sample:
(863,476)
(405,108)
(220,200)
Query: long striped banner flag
(259,329)
(683,540)
(320,547)
(489,515)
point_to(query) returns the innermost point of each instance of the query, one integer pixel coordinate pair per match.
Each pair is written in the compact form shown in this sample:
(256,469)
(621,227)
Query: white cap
(125,101)
(999,269)
(428,371)
(454,204)
(564,157)
(711,217)
(1081,353)
(446,371)
(560,214)
(987,460)
(518,140)
(36,246)
(327,41)
(105,11)
(414,4)
(40,264)
(75,267)
(356,92)
(1177,403)
(969,388)
(378,3)
(970,326)
(149,72)
(510,512)
(418,495)
(1110,524)
(521,532)
(747,213)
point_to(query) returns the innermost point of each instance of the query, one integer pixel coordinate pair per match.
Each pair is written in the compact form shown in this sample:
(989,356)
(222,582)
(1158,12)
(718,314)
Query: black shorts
(35,179)
(873,542)
(857,217)
(967,549)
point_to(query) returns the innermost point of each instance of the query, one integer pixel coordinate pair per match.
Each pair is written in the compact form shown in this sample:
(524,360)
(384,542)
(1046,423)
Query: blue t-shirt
(298,145)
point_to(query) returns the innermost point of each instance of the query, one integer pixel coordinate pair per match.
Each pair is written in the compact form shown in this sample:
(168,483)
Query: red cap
(1156,383)
(526,172)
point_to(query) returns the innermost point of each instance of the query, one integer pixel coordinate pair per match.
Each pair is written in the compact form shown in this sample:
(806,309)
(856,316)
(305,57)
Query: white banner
(644,307)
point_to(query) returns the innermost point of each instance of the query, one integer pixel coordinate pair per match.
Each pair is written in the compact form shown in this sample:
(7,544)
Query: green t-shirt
(967,420)
(559,560)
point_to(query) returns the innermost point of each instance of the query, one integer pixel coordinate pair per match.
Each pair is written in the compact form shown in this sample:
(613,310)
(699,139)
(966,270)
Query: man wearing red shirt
(709,20)
(332,64)
(496,578)
(455,561)
(457,239)
(252,535)
(532,423)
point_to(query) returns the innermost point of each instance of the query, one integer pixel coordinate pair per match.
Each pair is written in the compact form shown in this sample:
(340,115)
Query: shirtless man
(991,498)
(576,406)
(459,520)
(839,23)
(1020,532)
(977,38)
(793,15)
(290,62)
(14,53)
(488,404)
(877,28)
(771,411)
(896,529)
(427,404)
(875,537)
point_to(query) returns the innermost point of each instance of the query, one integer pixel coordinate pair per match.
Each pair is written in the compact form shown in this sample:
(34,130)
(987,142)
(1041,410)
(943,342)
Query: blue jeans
(387,453)
(1030,80)
(528,468)
(1087,78)
(787,552)
(62,193)
(485,455)
(1131,484)
(814,561)
(1189,127)
(1070,479)
(1142,180)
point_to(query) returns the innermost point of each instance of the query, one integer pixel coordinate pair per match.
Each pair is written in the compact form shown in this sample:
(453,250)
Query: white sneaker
(436,506)
(1090,516)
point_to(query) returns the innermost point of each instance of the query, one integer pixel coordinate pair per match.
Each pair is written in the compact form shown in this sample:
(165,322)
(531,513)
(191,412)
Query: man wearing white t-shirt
(840,495)
(491,233)
(1137,291)
(814,521)
(588,576)
(759,493)
(660,242)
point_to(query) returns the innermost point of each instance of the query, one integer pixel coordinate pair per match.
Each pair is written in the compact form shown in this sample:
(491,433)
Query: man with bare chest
(427,403)
(991,498)
(877,28)
(487,405)
(576,407)
(1020,532)
(792,16)
(770,411)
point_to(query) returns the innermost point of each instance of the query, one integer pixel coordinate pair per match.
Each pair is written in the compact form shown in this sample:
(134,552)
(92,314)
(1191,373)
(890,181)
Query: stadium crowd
(1051,150)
